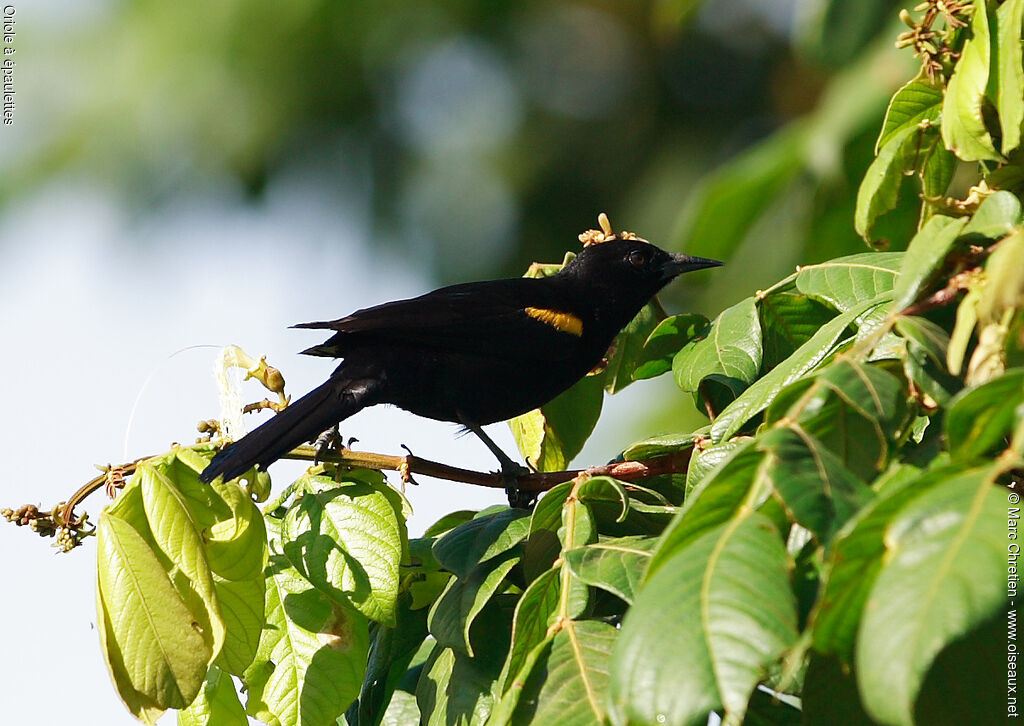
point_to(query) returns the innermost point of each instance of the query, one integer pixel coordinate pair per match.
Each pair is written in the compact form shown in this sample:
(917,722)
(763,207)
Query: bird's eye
(636,258)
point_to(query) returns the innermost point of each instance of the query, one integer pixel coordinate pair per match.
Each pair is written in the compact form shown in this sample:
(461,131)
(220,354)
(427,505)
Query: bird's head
(630,271)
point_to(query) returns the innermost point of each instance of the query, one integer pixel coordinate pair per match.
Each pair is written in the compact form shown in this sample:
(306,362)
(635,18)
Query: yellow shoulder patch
(566,322)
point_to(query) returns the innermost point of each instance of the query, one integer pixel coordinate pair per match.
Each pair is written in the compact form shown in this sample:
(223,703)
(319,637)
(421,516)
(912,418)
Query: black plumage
(473,353)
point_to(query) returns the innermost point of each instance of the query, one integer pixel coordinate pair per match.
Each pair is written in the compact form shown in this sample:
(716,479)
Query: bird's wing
(500,318)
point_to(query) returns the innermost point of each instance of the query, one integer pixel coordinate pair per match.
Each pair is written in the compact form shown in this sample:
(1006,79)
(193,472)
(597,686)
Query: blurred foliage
(484,134)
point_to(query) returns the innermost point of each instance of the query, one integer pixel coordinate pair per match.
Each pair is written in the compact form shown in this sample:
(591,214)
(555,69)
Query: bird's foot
(517,498)
(327,442)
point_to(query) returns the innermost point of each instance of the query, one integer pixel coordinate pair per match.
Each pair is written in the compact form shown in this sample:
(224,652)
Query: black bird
(473,353)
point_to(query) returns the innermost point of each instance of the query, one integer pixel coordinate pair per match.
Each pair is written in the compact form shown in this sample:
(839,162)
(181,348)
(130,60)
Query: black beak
(680,263)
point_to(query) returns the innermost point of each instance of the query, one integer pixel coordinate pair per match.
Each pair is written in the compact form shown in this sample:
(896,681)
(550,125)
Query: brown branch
(535,482)
(676,463)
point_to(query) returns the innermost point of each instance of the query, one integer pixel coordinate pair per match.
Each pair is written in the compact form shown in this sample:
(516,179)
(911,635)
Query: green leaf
(157,659)
(535,612)
(628,349)
(1009,96)
(665,341)
(177,534)
(347,541)
(392,650)
(402,710)
(944,574)
(487,536)
(855,410)
(571,687)
(981,419)
(788,320)
(854,563)
(817,490)
(448,522)
(997,216)
(917,101)
(847,282)
(542,546)
(462,600)
(216,705)
(550,437)
(925,362)
(936,173)
(730,354)
(963,122)
(720,211)
(617,565)
(657,446)
(456,690)
(925,257)
(705,627)
(808,357)
(707,459)
(312,655)
(241,609)
(879,191)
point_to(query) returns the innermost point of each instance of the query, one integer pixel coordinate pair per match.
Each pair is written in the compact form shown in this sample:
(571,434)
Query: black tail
(302,421)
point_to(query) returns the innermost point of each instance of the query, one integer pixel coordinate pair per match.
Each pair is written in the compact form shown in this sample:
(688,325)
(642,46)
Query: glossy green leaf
(1009,95)
(535,612)
(880,189)
(177,534)
(925,360)
(462,600)
(656,446)
(734,483)
(815,487)
(241,609)
(542,546)
(707,459)
(456,690)
(981,419)
(488,535)
(963,122)
(550,437)
(571,686)
(401,711)
(855,410)
(925,257)
(788,320)
(917,101)
(312,654)
(347,541)
(998,214)
(665,341)
(617,565)
(808,357)
(847,282)
(392,650)
(730,352)
(157,659)
(705,628)
(216,705)
(854,563)
(943,575)
(628,349)
(449,521)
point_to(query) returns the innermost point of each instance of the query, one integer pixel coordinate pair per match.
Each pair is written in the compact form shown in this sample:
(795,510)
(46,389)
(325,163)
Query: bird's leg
(329,440)
(510,471)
